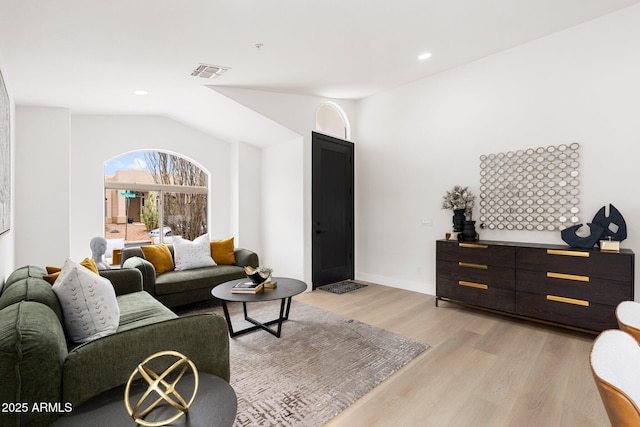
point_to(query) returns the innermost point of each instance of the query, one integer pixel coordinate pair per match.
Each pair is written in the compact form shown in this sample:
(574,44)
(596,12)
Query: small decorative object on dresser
(602,228)
(458,220)
(468,232)
(461,201)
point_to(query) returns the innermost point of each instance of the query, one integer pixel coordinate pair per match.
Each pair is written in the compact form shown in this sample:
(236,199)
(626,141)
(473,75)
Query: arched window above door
(332,120)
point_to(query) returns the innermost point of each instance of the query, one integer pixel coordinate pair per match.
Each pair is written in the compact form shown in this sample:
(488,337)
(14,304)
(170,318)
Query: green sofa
(39,365)
(175,288)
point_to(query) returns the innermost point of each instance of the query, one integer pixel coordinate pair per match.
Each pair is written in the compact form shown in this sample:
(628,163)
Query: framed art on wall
(5,159)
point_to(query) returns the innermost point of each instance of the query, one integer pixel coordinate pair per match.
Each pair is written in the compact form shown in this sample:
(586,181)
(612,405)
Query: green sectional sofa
(175,288)
(39,365)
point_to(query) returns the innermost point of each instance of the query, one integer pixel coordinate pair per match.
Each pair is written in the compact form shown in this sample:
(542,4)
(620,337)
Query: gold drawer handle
(470,265)
(567,276)
(567,253)
(473,285)
(568,300)
(472,245)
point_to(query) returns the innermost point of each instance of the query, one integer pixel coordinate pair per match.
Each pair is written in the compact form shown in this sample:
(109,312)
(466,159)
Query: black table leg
(285,307)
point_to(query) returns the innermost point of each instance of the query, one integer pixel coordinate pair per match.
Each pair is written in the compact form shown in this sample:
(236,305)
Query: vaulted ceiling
(89,55)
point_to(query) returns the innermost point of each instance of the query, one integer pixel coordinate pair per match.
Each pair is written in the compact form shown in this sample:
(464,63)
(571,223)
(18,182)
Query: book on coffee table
(247,288)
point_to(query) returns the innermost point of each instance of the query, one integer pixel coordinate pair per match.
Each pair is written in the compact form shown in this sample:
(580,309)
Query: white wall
(246,206)
(419,140)
(282,209)
(7,241)
(42,225)
(96,139)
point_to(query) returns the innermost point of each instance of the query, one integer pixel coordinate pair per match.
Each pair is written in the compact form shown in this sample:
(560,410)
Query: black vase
(458,220)
(468,231)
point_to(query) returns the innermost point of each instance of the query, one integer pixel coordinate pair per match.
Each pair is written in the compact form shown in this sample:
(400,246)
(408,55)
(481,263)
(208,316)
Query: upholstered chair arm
(245,257)
(147,270)
(124,281)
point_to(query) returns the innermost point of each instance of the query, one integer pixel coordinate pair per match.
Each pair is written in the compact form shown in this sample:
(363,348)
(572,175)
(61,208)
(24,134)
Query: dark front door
(332,210)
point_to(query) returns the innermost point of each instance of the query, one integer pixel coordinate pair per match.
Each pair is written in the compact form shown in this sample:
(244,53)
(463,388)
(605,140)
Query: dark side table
(285,290)
(215,405)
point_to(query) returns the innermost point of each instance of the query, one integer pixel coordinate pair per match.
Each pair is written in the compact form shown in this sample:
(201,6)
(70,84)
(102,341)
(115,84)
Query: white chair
(628,315)
(615,361)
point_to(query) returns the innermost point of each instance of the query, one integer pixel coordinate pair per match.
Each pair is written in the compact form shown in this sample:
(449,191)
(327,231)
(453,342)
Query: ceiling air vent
(207,71)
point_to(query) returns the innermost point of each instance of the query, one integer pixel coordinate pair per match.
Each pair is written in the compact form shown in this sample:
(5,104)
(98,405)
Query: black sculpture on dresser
(612,227)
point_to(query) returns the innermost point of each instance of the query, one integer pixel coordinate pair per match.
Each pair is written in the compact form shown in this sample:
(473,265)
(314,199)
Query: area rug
(321,364)
(342,287)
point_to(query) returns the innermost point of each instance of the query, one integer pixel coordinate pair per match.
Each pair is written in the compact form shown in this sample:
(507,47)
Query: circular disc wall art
(536,181)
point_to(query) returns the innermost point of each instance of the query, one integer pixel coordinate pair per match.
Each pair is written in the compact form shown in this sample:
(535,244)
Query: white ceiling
(89,55)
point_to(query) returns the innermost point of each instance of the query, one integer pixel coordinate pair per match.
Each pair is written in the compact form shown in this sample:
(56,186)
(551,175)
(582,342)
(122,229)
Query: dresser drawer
(610,266)
(476,253)
(606,292)
(595,317)
(475,293)
(500,277)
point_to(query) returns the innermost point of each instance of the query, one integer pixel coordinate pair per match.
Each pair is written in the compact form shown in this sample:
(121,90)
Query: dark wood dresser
(575,288)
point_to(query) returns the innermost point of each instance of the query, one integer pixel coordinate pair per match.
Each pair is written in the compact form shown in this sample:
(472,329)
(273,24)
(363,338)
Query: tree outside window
(185,213)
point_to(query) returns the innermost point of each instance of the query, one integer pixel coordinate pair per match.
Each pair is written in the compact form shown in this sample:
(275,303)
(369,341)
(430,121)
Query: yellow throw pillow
(90,263)
(222,251)
(54,272)
(159,256)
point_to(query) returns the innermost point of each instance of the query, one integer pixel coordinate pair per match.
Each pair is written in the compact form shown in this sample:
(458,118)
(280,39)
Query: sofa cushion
(159,256)
(23,273)
(189,255)
(88,303)
(222,251)
(31,289)
(140,309)
(197,278)
(32,351)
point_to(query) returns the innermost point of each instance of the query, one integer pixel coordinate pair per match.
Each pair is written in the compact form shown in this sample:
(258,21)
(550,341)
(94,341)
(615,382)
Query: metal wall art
(533,189)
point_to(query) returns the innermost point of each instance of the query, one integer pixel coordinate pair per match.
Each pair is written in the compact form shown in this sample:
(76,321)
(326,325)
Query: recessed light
(424,56)
(140,92)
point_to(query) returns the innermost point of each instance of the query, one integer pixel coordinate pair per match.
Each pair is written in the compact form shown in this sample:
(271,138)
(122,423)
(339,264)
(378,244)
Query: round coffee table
(286,289)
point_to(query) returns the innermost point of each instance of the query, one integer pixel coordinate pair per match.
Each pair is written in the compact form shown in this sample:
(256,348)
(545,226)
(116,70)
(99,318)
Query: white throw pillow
(88,303)
(194,254)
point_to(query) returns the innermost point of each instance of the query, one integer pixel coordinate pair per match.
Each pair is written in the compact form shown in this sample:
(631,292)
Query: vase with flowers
(461,201)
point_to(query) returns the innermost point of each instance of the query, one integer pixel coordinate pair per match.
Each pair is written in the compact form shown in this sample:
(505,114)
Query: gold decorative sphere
(163,386)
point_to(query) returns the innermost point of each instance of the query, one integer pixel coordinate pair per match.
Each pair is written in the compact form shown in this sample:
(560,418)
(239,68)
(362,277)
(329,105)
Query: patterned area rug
(342,287)
(321,364)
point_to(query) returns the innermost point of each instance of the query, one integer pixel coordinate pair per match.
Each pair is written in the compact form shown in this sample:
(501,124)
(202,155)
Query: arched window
(332,120)
(151,196)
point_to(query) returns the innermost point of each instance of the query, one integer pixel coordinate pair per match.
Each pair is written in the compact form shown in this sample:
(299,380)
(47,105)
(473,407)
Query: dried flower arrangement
(459,198)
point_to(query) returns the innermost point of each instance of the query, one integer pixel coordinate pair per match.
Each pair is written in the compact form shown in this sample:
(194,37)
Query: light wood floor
(482,369)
